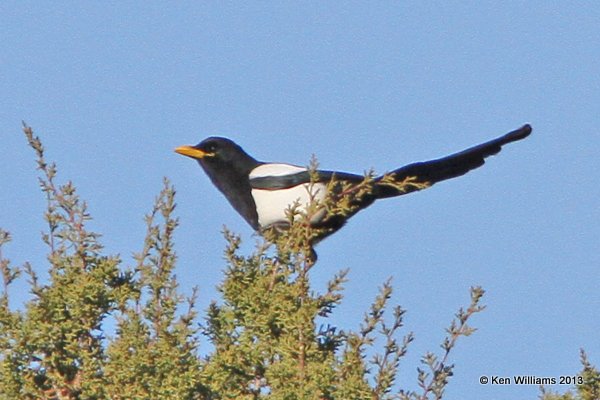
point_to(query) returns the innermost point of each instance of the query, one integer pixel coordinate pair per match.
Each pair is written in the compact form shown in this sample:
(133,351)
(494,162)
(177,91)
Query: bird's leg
(310,258)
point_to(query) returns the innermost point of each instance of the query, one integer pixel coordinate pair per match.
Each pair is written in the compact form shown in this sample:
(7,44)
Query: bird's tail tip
(518,134)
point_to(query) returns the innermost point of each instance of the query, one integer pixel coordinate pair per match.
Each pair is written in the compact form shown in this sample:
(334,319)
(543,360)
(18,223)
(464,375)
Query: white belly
(273,205)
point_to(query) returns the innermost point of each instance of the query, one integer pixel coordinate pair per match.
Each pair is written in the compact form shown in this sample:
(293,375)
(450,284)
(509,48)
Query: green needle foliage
(98,329)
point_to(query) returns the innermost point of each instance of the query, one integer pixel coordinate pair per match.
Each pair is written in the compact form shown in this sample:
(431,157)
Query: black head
(219,153)
(228,166)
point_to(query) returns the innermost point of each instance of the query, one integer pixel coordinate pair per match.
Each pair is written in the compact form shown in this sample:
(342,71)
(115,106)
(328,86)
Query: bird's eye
(211,147)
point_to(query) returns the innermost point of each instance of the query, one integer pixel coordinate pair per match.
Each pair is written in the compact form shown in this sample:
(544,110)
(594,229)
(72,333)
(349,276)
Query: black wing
(425,174)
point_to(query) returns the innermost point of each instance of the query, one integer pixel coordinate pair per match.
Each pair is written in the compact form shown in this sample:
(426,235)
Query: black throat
(230,174)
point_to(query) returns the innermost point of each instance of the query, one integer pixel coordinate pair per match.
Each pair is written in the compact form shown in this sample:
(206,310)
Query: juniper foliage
(265,340)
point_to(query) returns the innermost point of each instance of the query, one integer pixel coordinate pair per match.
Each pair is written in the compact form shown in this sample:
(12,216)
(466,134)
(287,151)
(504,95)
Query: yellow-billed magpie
(263,192)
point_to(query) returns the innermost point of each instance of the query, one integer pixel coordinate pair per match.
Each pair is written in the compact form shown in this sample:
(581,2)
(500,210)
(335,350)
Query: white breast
(271,205)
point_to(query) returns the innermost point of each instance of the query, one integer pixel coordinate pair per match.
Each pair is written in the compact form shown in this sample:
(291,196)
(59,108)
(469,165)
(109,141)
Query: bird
(263,193)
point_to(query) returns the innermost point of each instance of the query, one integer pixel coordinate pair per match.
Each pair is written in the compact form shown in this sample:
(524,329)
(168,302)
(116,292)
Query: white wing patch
(275,170)
(271,205)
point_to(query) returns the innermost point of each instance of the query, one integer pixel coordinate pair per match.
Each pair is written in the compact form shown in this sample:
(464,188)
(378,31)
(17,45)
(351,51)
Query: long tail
(421,175)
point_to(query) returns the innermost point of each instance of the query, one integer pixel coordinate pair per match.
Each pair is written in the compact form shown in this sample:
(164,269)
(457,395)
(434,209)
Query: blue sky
(113,87)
